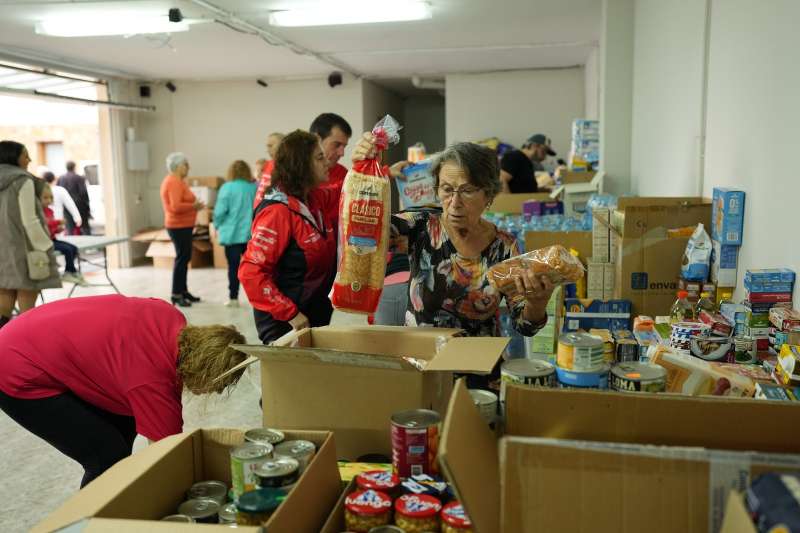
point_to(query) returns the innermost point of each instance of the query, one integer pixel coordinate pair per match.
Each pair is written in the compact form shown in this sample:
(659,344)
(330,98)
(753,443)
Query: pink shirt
(115,352)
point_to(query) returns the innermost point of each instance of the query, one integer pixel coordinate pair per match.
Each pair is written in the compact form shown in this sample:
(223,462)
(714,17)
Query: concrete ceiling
(462,36)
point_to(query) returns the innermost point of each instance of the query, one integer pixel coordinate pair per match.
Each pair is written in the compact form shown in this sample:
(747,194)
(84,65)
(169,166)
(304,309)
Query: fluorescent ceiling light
(352,12)
(102,25)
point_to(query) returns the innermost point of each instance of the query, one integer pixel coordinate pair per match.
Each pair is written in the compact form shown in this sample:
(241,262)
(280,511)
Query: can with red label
(415,442)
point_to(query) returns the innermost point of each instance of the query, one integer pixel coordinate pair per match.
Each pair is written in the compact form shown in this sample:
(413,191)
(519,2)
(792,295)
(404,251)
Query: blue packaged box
(754,286)
(419,187)
(727,216)
(769,275)
(597,314)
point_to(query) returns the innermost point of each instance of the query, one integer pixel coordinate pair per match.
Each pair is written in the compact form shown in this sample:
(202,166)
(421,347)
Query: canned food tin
(277,473)
(256,507)
(245,459)
(594,379)
(178,518)
(580,352)
(415,442)
(227,514)
(532,372)
(638,377)
(200,509)
(486,402)
(627,351)
(264,436)
(216,490)
(302,450)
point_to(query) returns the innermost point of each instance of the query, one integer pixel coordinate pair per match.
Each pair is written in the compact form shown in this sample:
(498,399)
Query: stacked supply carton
(543,344)
(605,247)
(585,149)
(727,225)
(765,290)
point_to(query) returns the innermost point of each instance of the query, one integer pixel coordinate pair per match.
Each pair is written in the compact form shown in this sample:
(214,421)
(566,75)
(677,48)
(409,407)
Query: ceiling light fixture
(352,12)
(104,25)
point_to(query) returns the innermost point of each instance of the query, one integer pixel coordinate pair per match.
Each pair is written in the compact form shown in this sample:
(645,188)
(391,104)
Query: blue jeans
(70,253)
(233,253)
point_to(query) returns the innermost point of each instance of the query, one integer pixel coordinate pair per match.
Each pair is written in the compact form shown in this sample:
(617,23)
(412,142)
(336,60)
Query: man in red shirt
(334,133)
(89,391)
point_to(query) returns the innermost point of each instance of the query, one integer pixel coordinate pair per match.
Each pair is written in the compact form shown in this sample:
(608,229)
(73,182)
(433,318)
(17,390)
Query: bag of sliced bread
(364,211)
(554,261)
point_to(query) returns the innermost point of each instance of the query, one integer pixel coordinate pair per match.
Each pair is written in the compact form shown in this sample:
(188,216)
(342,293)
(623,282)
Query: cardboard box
(512,203)
(724,264)
(217,250)
(539,208)
(215,182)
(727,216)
(207,195)
(145,487)
(543,484)
(353,379)
(571,176)
(204,217)
(579,240)
(648,264)
(163,254)
(737,519)
(596,314)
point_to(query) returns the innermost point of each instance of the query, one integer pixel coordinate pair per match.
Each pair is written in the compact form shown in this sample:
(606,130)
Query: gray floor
(42,478)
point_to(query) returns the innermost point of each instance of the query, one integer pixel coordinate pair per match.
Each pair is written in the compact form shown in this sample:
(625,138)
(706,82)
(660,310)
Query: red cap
(368,502)
(417,505)
(683,294)
(453,514)
(378,480)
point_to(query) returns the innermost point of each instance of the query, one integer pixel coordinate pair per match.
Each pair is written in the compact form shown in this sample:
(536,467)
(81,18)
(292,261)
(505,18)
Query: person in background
(335,133)
(180,215)
(22,229)
(450,252)
(287,268)
(88,391)
(69,251)
(62,200)
(233,215)
(265,180)
(518,168)
(75,184)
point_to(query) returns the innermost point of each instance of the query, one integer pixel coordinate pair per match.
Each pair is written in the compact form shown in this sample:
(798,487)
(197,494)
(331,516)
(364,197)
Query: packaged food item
(627,350)
(643,323)
(419,186)
(301,450)
(697,257)
(593,379)
(705,304)
(771,391)
(712,347)
(694,377)
(784,319)
(255,507)
(727,214)
(486,401)
(580,351)
(186,519)
(264,436)
(245,459)
(769,275)
(349,471)
(682,310)
(773,499)
(716,322)
(455,519)
(531,372)
(638,377)
(379,480)
(788,368)
(277,473)
(415,442)
(364,211)
(216,490)
(203,510)
(553,261)
(227,513)
(417,513)
(366,509)
(425,485)
(416,152)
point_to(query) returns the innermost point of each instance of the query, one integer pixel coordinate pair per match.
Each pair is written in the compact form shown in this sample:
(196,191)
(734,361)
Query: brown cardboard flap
(663,419)
(737,519)
(512,202)
(419,342)
(335,522)
(110,525)
(469,354)
(647,201)
(468,457)
(323,356)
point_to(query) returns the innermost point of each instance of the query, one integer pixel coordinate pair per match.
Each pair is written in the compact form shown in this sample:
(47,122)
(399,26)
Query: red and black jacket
(290,261)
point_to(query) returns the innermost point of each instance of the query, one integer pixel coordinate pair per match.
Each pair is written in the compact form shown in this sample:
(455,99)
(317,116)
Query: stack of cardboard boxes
(766,290)
(605,244)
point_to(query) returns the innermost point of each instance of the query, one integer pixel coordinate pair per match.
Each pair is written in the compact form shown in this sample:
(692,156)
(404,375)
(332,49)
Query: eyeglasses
(445,192)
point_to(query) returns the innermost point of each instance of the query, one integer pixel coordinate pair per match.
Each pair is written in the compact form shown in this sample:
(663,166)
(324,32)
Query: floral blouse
(450,291)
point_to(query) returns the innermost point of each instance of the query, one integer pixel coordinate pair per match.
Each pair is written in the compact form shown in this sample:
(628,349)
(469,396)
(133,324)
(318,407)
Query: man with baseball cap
(518,168)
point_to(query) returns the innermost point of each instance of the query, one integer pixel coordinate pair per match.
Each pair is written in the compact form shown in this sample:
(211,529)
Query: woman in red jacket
(89,391)
(287,269)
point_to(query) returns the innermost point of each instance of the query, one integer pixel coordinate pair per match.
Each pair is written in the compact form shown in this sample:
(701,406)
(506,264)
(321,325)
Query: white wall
(425,122)
(591,82)
(215,123)
(515,105)
(667,99)
(751,118)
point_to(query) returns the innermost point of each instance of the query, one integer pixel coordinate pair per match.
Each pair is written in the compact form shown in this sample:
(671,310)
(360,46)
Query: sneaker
(232,303)
(81,280)
(72,277)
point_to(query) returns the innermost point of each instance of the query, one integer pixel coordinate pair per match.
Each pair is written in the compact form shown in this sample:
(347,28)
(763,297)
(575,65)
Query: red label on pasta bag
(365,227)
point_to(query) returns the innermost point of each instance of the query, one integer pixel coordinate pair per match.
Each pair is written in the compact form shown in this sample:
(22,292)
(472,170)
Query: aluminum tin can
(627,351)
(638,377)
(200,509)
(593,379)
(245,459)
(486,402)
(264,436)
(580,352)
(415,442)
(178,518)
(227,514)
(532,372)
(277,473)
(216,490)
(302,450)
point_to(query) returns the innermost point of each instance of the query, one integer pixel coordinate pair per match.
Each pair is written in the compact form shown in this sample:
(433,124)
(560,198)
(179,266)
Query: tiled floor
(42,478)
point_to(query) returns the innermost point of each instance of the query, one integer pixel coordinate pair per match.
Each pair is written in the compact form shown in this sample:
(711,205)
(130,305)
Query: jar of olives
(365,509)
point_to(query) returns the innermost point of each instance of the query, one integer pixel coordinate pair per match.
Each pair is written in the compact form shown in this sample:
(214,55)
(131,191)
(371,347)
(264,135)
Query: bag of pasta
(364,211)
(555,262)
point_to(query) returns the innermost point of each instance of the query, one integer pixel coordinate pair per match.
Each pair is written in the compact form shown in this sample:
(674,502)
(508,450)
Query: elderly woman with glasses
(451,251)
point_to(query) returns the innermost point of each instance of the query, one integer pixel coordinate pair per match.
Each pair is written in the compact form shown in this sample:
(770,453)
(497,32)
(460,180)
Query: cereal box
(727,215)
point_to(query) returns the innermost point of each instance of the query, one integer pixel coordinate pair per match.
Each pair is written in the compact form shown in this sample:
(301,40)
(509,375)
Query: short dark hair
(293,173)
(70,166)
(324,124)
(49,177)
(478,162)
(10,152)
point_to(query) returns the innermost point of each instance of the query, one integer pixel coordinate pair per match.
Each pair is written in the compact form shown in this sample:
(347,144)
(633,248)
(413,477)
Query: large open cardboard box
(352,379)
(649,261)
(605,462)
(143,488)
(511,203)
(579,240)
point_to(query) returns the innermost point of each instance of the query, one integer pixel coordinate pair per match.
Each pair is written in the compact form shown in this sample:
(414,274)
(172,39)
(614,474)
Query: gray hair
(478,162)
(174,160)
